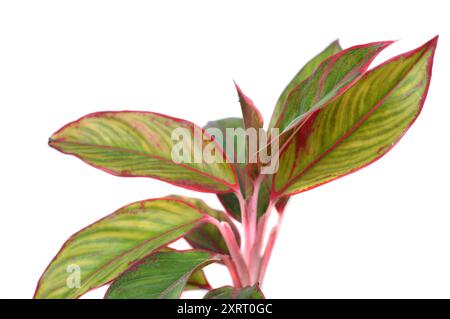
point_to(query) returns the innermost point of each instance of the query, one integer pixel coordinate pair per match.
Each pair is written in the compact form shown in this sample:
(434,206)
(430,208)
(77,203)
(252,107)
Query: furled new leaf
(360,126)
(102,251)
(144,144)
(228,292)
(251,115)
(253,122)
(163,275)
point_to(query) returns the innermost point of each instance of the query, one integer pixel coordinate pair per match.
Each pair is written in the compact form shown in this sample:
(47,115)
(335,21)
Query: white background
(383,232)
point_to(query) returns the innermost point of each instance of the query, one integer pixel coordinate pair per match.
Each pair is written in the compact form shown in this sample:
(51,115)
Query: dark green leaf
(163,275)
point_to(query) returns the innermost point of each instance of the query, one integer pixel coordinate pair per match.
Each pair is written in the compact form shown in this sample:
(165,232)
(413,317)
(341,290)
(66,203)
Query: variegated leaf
(360,126)
(102,251)
(140,144)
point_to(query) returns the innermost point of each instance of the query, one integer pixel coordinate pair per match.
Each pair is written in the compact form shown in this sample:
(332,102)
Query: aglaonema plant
(333,118)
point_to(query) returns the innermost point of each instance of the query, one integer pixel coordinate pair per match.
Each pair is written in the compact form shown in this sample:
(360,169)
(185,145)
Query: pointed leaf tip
(252,116)
(433,41)
(336,43)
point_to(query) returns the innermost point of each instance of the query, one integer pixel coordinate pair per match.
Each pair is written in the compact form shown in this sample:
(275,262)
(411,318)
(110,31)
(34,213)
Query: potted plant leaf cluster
(335,117)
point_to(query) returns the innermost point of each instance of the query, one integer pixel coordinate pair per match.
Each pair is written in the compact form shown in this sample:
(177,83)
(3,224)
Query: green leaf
(163,275)
(233,143)
(231,203)
(253,292)
(238,153)
(229,200)
(102,251)
(207,236)
(220,293)
(228,292)
(139,144)
(360,126)
(331,79)
(305,72)
(197,281)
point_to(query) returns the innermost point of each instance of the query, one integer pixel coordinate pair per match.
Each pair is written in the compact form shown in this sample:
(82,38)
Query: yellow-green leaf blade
(105,249)
(140,144)
(163,275)
(304,72)
(360,126)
